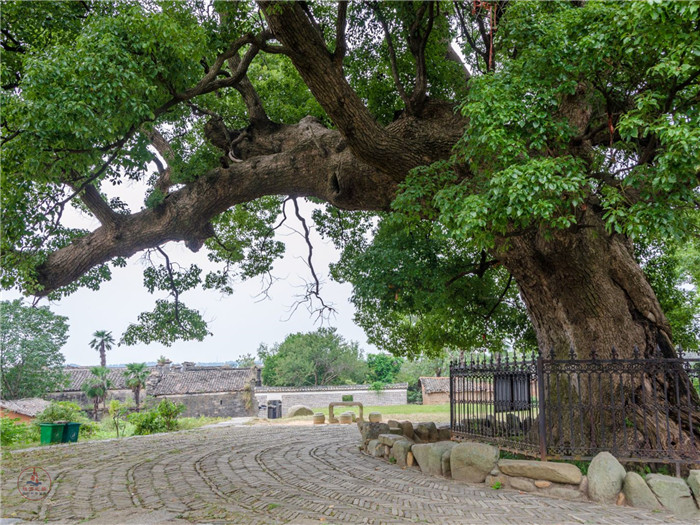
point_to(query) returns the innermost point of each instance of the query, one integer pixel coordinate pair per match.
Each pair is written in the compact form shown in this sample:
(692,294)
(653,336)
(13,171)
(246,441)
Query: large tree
(31,362)
(316,358)
(572,129)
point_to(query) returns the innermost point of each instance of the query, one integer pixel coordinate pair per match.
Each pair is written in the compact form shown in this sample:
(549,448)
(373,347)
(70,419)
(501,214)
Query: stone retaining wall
(428,447)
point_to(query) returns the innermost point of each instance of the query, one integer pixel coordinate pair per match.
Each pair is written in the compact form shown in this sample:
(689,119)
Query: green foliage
(31,362)
(346,398)
(162,418)
(377,386)
(102,342)
(676,289)
(13,431)
(118,412)
(525,170)
(412,371)
(383,367)
(245,361)
(317,358)
(497,485)
(168,322)
(418,291)
(61,411)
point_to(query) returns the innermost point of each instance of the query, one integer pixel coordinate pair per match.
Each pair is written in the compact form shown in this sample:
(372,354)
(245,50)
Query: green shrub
(13,431)
(377,386)
(146,422)
(169,412)
(347,397)
(65,411)
(61,411)
(162,418)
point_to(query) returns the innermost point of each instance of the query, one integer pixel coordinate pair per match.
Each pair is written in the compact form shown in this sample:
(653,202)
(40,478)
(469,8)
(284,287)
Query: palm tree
(97,386)
(102,342)
(136,375)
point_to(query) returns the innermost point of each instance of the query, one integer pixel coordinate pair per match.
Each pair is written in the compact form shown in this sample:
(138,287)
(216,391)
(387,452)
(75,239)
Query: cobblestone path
(268,475)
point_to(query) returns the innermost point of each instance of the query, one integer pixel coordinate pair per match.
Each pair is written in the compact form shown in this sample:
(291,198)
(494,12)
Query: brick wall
(213,405)
(437,398)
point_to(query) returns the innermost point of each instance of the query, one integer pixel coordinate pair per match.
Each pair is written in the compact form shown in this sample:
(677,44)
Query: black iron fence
(639,408)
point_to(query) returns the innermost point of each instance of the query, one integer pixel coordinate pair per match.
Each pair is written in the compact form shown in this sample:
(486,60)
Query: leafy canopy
(31,339)
(632,67)
(312,359)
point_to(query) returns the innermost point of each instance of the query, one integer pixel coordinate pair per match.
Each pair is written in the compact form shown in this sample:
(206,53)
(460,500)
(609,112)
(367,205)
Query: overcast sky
(239,323)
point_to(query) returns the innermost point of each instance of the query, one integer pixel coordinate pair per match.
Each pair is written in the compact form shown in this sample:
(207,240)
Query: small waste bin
(51,433)
(274,409)
(70,432)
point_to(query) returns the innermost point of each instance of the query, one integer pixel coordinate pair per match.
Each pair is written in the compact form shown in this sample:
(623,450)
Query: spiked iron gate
(640,409)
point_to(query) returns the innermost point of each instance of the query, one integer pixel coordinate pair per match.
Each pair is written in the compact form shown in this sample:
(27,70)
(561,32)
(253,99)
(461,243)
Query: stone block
(426,432)
(393,423)
(503,480)
(605,477)
(674,494)
(410,459)
(389,439)
(547,470)
(372,446)
(373,430)
(396,431)
(375,417)
(472,462)
(299,410)
(637,492)
(407,428)
(444,432)
(400,451)
(694,484)
(524,484)
(429,456)
(445,464)
(542,484)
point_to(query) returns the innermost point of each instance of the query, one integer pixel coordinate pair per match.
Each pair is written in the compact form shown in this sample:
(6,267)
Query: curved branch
(300,170)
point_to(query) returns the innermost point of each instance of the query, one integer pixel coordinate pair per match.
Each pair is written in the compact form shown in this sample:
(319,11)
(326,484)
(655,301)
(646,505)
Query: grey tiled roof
(78,376)
(435,385)
(200,380)
(264,389)
(29,406)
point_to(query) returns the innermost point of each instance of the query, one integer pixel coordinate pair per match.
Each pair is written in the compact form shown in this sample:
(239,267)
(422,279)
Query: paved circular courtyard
(267,475)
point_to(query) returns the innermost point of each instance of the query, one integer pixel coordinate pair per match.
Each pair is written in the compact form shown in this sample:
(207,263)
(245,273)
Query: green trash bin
(70,432)
(51,433)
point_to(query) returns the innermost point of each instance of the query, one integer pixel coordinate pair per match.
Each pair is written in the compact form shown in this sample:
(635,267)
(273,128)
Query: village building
(210,391)
(79,375)
(436,390)
(24,409)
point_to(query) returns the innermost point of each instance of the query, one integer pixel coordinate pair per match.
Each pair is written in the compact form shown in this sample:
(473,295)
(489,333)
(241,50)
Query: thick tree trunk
(584,289)
(585,295)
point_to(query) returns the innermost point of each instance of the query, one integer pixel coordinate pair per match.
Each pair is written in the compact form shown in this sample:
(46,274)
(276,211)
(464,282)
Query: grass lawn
(105,430)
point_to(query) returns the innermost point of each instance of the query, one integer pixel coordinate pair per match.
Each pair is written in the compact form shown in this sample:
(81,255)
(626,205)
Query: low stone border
(428,447)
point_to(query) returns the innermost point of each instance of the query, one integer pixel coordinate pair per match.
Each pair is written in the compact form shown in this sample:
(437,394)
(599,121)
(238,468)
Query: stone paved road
(268,475)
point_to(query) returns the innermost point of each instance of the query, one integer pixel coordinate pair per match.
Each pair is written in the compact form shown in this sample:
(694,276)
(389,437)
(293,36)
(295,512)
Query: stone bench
(332,419)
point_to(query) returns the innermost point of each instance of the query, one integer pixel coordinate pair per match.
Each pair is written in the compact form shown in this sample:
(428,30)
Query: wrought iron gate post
(541,407)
